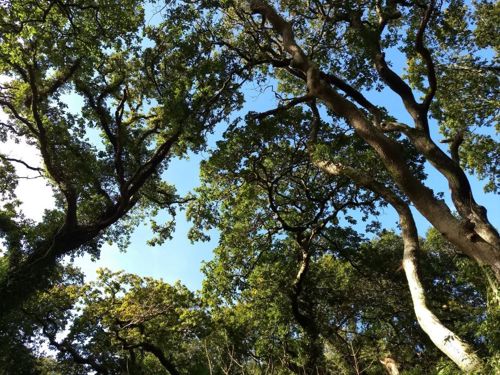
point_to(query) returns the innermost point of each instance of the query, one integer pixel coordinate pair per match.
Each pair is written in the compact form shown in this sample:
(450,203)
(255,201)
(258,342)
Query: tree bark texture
(482,244)
(449,343)
(445,340)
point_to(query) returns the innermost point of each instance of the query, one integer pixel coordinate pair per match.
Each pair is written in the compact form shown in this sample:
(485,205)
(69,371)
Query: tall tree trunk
(449,343)
(458,232)
(445,340)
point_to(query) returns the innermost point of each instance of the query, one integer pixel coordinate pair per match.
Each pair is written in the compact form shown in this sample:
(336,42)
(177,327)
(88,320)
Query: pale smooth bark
(445,340)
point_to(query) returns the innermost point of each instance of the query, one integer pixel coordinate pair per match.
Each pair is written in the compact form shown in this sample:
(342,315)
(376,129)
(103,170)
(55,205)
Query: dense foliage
(304,278)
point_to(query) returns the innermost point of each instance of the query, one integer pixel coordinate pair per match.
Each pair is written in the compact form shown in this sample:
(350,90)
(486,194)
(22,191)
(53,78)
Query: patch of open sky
(34,193)
(178,259)
(435,180)
(154,12)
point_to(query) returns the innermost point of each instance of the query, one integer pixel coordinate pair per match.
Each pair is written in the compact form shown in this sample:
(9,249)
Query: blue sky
(178,259)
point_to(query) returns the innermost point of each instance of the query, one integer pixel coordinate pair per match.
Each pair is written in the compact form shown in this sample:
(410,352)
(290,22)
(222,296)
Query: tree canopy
(305,278)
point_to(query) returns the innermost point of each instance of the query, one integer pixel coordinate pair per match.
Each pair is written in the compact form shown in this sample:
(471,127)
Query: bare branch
(19,117)
(62,78)
(354,94)
(290,104)
(426,56)
(13,160)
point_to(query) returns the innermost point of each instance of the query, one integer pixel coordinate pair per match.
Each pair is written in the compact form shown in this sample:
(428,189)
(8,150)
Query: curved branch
(19,117)
(65,347)
(427,57)
(66,187)
(448,342)
(354,94)
(61,78)
(484,249)
(291,103)
(460,188)
(13,160)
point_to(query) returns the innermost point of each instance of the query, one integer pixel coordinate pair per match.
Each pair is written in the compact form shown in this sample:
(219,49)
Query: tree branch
(427,57)
(449,343)
(62,78)
(290,104)
(13,160)
(158,353)
(354,94)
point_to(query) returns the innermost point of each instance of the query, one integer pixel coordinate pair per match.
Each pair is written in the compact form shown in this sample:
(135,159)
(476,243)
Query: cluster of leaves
(120,322)
(293,286)
(354,292)
(104,158)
